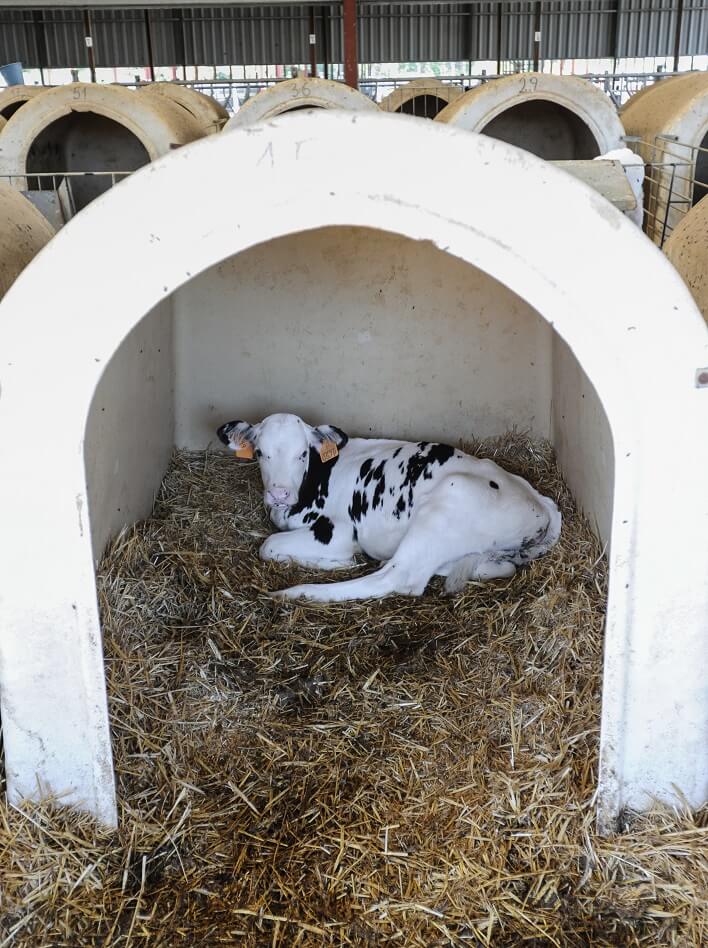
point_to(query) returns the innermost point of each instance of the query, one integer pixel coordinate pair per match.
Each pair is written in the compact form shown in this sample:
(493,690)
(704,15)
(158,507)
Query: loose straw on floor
(415,772)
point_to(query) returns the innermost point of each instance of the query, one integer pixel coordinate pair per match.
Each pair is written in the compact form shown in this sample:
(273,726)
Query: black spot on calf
(420,464)
(377,499)
(494,485)
(315,484)
(440,453)
(323,528)
(356,506)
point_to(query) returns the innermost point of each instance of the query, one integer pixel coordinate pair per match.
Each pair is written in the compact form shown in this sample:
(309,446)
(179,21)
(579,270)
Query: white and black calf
(422,509)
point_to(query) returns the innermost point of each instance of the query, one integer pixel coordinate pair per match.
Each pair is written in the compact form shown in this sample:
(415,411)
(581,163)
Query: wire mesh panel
(73,189)
(676,178)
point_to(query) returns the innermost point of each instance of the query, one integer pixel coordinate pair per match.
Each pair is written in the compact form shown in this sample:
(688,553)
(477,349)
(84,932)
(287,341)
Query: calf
(422,509)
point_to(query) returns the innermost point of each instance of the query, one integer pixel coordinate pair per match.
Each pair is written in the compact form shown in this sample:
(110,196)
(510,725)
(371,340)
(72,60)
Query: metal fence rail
(232,93)
(51,180)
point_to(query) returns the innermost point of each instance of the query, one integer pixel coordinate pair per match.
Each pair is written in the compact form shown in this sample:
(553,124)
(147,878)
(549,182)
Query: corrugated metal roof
(247,35)
(119,37)
(647,27)
(577,30)
(18,41)
(64,37)
(424,32)
(694,35)
(401,32)
(517,31)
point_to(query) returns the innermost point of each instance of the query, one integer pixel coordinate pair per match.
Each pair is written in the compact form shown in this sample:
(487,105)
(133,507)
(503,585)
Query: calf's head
(285,447)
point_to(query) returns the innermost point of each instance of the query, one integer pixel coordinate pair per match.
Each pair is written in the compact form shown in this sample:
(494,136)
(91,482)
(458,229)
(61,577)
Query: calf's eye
(303,455)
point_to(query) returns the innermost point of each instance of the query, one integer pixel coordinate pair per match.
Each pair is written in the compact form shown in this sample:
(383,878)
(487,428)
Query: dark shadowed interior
(545,129)
(10,109)
(300,108)
(423,106)
(84,141)
(700,186)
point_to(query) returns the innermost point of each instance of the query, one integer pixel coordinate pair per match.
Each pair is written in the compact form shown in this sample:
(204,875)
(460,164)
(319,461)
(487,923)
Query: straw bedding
(413,772)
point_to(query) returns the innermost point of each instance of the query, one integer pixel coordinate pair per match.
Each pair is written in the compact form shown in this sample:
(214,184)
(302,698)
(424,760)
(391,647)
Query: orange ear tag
(244,451)
(328,451)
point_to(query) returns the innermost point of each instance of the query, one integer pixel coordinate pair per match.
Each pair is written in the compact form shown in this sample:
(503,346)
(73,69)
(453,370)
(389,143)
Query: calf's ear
(329,433)
(235,433)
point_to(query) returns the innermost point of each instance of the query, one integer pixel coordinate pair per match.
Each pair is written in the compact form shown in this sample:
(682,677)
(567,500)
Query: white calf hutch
(23,233)
(205,110)
(13,98)
(305,92)
(687,249)
(385,299)
(85,127)
(555,117)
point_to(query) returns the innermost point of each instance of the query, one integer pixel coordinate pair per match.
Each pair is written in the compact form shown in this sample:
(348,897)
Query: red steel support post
(351,65)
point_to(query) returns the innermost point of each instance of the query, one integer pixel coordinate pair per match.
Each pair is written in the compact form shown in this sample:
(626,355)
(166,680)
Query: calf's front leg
(323,545)
(279,517)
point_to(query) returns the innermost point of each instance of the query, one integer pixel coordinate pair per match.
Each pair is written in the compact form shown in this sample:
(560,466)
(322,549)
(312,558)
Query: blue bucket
(12,74)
